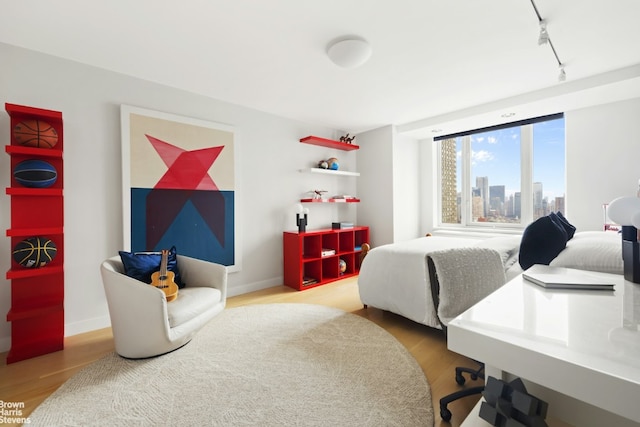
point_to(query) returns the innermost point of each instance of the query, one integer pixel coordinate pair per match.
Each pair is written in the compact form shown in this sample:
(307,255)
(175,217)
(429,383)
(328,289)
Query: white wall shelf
(329,172)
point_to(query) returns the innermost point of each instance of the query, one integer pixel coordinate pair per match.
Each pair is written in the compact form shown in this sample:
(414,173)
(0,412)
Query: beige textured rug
(259,365)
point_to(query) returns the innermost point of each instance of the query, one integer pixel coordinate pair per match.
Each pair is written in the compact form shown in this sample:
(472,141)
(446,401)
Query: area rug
(257,365)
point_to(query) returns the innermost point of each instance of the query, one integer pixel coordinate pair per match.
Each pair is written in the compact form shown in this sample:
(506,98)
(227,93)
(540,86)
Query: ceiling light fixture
(544,38)
(349,52)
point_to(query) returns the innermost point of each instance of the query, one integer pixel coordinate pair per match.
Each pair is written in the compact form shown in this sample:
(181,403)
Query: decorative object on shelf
(626,212)
(34,252)
(35,173)
(333,163)
(317,194)
(347,139)
(35,133)
(301,221)
(322,164)
(341,225)
(510,404)
(342,264)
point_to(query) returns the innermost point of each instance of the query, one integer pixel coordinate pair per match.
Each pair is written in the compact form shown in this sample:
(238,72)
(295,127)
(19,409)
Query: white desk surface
(584,344)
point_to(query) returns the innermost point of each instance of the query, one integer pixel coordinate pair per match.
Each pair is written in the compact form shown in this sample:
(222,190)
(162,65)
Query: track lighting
(543,38)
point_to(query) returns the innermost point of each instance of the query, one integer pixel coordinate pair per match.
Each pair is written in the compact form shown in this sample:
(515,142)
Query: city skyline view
(496,158)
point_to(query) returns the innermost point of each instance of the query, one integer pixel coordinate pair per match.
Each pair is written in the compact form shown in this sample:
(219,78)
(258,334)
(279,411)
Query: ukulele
(164,279)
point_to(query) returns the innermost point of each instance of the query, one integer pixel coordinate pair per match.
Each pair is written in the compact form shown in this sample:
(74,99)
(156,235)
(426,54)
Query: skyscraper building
(482,183)
(449,202)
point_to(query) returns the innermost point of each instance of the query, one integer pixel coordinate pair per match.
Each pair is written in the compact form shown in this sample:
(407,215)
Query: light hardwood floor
(31,381)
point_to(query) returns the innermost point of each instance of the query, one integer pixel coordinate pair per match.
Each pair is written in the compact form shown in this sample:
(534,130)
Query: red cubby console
(37,294)
(313,258)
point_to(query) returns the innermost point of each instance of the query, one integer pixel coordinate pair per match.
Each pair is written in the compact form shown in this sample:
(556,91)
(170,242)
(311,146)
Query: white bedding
(395,277)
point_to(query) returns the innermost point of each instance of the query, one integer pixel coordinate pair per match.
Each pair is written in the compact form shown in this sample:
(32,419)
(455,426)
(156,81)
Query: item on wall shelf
(342,264)
(322,164)
(317,194)
(510,404)
(626,212)
(35,173)
(333,163)
(346,138)
(301,221)
(34,252)
(35,133)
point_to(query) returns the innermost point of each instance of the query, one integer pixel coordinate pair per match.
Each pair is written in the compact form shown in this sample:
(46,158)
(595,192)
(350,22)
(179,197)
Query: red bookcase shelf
(37,294)
(313,258)
(324,142)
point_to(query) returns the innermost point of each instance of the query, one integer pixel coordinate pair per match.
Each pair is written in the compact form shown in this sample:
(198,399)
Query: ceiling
(435,64)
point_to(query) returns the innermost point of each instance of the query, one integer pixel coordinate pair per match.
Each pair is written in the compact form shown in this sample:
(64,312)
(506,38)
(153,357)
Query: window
(509,175)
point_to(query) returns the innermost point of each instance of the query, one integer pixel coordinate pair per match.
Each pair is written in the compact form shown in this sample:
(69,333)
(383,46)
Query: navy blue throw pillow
(542,241)
(141,265)
(570,229)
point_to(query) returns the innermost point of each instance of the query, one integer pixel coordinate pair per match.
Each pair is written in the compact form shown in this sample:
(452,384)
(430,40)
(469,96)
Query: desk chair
(460,278)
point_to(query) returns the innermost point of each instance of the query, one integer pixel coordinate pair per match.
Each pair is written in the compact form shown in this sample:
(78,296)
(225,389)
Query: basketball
(34,252)
(35,133)
(35,174)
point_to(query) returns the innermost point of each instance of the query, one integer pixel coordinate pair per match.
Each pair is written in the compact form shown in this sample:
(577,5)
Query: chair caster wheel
(445,414)
(474,377)
(460,379)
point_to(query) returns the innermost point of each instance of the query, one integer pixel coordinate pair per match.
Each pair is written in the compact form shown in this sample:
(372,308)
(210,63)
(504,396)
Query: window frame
(526,178)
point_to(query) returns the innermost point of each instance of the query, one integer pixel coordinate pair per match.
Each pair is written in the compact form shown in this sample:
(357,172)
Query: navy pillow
(141,265)
(570,229)
(542,241)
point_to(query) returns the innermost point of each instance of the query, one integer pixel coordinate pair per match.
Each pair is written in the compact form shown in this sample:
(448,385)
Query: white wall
(406,188)
(603,159)
(375,185)
(269,183)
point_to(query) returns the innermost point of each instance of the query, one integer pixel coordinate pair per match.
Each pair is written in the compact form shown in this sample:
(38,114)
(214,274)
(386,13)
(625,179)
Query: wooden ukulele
(164,279)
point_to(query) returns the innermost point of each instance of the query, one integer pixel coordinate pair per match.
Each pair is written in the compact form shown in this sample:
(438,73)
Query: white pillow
(594,251)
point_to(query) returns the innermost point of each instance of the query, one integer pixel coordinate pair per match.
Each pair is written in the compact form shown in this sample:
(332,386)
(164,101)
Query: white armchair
(144,324)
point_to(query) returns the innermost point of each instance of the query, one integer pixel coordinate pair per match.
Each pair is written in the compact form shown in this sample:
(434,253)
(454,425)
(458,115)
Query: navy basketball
(34,252)
(35,174)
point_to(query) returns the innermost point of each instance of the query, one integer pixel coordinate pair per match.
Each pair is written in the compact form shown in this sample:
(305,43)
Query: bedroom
(602,141)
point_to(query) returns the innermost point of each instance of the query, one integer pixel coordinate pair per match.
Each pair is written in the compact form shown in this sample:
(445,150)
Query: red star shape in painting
(186,179)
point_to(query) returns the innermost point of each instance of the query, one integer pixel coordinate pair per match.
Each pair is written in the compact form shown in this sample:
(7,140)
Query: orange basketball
(35,133)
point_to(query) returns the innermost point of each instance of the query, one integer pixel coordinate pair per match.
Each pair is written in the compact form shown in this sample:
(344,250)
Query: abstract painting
(179,186)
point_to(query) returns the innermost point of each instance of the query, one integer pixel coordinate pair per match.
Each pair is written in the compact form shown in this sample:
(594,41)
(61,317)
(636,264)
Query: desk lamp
(626,212)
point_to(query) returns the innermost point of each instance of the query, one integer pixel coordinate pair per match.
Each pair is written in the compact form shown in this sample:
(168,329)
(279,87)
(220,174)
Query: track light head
(543,38)
(563,75)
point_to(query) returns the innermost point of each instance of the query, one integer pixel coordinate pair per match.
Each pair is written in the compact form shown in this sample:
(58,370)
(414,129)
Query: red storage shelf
(37,294)
(304,264)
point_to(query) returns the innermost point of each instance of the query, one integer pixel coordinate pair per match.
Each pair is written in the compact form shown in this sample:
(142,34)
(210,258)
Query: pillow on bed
(594,251)
(542,241)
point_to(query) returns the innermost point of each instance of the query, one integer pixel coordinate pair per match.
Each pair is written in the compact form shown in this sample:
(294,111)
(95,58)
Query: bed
(395,277)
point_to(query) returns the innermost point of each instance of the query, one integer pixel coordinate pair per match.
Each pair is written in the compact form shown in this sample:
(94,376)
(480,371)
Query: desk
(578,350)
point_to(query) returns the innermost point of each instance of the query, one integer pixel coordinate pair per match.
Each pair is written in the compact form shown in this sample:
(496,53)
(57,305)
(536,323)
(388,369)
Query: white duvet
(395,277)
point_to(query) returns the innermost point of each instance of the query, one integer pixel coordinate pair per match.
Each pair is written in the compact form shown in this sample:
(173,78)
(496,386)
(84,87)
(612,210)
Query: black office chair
(474,374)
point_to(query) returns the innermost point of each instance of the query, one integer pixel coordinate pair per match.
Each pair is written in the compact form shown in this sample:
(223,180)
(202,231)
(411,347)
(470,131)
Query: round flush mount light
(350,52)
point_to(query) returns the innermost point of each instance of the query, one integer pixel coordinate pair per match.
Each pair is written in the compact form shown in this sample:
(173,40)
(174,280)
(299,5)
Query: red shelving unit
(313,258)
(324,142)
(37,294)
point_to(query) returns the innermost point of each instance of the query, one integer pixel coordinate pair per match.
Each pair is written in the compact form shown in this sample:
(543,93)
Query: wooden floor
(31,381)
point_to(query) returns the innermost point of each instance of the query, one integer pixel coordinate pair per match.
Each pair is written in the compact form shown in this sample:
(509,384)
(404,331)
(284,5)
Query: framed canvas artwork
(179,186)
